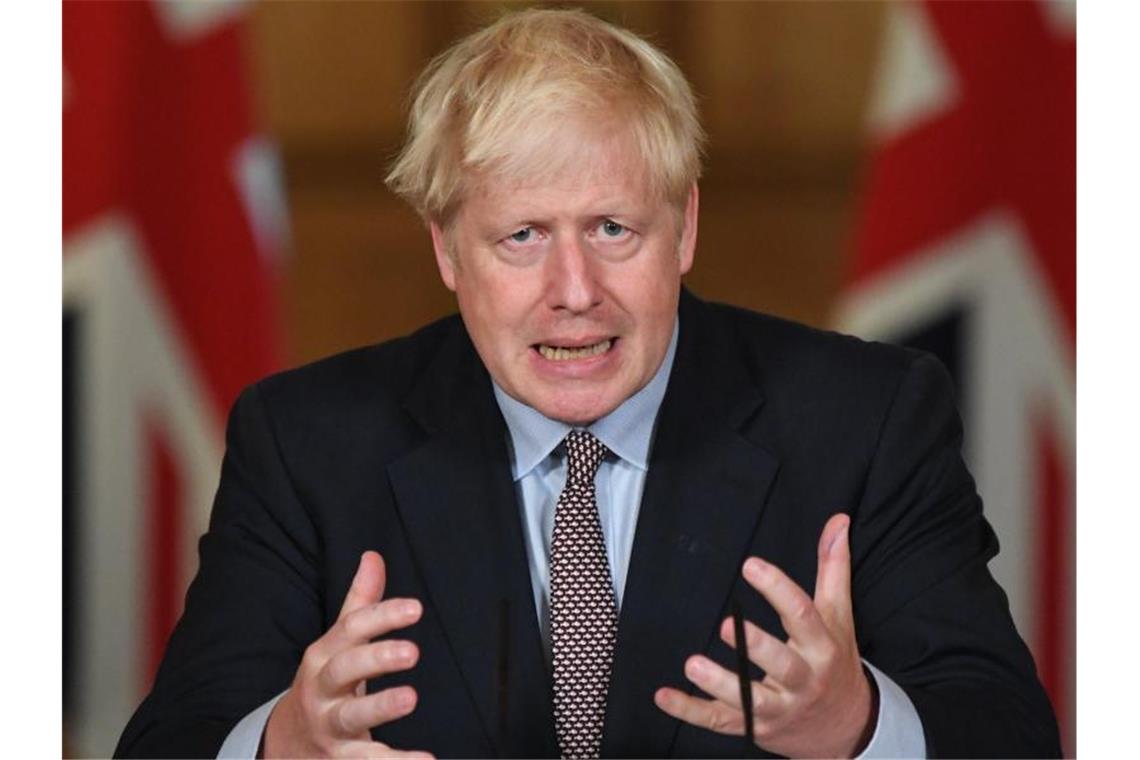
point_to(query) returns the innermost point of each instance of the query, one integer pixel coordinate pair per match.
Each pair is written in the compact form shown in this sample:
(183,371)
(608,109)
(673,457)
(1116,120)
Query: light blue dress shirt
(539,471)
(538,465)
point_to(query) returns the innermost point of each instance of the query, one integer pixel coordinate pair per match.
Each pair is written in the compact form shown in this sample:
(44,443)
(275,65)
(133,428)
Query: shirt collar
(626,431)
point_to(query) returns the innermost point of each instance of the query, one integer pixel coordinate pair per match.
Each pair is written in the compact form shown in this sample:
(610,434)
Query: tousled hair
(499,101)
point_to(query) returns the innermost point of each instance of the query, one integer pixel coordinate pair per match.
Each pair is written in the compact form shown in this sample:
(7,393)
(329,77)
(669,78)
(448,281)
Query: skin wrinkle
(569,282)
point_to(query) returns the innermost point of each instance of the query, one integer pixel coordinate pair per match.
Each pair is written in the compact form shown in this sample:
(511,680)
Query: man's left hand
(815,699)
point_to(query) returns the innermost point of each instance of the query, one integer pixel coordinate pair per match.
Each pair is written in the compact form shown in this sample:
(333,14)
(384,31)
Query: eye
(522,246)
(522,236)
(612,229)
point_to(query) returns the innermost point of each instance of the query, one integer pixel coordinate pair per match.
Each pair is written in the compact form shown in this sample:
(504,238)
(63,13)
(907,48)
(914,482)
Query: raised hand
(815,699)
(326,712)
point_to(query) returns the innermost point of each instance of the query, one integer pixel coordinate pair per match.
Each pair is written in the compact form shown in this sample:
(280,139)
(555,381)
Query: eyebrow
(636,215)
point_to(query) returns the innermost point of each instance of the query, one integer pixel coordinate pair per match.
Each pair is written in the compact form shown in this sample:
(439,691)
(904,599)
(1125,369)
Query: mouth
(563,353)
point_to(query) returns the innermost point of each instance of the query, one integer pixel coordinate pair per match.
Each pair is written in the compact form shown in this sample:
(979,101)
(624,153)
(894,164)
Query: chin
(578,412)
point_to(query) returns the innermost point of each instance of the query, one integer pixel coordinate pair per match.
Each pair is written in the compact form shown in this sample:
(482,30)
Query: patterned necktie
(583,615)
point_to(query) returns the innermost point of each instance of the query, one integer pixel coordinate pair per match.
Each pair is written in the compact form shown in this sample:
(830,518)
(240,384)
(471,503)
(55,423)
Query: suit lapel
(707,485)
(460,510)
(706,490)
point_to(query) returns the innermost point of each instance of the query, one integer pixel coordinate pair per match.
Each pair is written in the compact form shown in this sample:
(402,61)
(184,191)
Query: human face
(569,286)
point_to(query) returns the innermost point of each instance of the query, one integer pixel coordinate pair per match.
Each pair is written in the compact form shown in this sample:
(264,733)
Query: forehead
(587,162)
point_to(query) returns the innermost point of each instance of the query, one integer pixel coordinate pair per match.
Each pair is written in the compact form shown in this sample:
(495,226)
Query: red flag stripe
(162,544)
(1054,560)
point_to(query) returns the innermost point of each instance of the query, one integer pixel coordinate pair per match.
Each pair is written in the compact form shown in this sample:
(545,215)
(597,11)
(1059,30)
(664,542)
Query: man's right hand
(326,712)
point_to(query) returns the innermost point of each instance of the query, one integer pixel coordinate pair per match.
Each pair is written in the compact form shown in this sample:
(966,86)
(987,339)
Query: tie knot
(584,453)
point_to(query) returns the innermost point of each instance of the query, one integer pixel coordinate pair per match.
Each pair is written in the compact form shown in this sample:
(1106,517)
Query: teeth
(557,354)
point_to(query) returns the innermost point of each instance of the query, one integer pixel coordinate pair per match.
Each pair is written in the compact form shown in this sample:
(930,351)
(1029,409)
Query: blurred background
(904,171)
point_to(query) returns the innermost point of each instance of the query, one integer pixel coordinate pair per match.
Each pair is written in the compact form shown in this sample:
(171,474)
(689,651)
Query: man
(521,533)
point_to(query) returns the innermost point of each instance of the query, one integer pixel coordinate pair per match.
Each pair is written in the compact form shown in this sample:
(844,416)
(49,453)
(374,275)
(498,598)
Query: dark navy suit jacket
(767,428)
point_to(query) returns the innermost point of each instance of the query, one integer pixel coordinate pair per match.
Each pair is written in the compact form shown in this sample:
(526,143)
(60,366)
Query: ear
(688,244)
(443,259)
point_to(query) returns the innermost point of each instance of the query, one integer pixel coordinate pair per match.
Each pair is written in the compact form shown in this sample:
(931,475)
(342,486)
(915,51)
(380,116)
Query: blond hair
(499,100)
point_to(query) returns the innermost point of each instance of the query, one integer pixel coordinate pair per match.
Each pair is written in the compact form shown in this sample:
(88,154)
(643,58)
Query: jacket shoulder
(384,371)
(779,349)
(347,412)
(358,397)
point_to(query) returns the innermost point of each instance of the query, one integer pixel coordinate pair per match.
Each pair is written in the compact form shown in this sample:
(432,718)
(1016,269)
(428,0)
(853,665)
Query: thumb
(367,585)
(833,577)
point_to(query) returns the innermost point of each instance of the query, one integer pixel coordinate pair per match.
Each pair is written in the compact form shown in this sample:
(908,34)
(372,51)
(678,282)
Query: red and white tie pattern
(582,609)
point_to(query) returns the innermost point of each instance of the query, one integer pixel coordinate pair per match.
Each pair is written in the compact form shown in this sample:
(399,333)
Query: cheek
(653,291)
(493,310)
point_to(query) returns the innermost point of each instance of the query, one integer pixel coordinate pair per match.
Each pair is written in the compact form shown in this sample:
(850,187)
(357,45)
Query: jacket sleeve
(928,611)
(252,609)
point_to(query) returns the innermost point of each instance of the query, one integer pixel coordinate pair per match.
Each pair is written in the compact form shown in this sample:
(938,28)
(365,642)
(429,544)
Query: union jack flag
(172,225)
(967,247)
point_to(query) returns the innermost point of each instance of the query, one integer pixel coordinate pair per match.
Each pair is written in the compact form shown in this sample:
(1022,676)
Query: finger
(376,749)
(349,667)
(367,585)
(705,713)
(796,609)
(362,625)
(784,666)
(352,716)
(724,685)
(833,579)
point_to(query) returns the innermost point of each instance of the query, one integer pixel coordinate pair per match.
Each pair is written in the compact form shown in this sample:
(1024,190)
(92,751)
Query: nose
(572,276)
